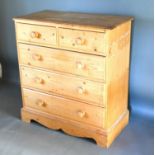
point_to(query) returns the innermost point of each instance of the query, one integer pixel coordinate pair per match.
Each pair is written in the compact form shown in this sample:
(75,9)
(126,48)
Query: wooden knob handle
(81,90)
(37,57)
(41,103)
(39,80)
(81,114)
(80,65)
(35,34)
(80,41)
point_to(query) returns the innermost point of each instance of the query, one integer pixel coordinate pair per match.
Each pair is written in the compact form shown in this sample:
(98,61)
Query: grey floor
(19,138)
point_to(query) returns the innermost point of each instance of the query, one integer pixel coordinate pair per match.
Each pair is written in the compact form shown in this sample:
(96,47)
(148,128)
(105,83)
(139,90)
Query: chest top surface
(82,19)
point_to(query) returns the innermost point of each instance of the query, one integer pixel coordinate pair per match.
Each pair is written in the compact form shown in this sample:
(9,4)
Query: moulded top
(73,18)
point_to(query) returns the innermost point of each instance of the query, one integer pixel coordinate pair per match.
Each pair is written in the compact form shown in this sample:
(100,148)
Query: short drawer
(83,41)
(69,86)
(64,107)
(89,66)
(40,35)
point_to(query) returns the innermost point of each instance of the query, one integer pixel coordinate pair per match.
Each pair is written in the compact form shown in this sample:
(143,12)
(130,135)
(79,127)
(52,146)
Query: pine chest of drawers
(74,71)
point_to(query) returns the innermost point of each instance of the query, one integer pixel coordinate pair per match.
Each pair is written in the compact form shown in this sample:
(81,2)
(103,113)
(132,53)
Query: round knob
(35,35)
(81,90)
(39,80)
(81,114)
(41,103)
(80,65)
(80,41)
(37,57)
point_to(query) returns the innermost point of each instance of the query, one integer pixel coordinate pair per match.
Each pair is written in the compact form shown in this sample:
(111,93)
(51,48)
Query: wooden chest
(74,71)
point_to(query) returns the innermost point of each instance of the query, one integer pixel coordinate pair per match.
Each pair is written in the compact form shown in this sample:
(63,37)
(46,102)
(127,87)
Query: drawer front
(70,86)
(40,35)
(64,107)
(70,62)
(84,41)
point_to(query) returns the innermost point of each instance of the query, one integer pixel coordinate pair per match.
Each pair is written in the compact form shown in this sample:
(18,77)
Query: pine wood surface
(74,71)
(73,18)
(88,66)
(71,86)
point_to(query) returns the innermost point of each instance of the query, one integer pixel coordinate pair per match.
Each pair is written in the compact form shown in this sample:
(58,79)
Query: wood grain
(102,137)
(74,71)
(72,18)
(68,86)
(35,34)
(89,66)
(64,107)
(83,41)
(117,72)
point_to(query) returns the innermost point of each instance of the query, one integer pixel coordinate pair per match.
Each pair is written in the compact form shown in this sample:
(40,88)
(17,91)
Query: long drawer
(39,35)
(69,86)
(60,60)
(64,107)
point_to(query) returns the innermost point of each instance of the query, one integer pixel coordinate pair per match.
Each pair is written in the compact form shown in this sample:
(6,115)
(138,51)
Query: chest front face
(74,72)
